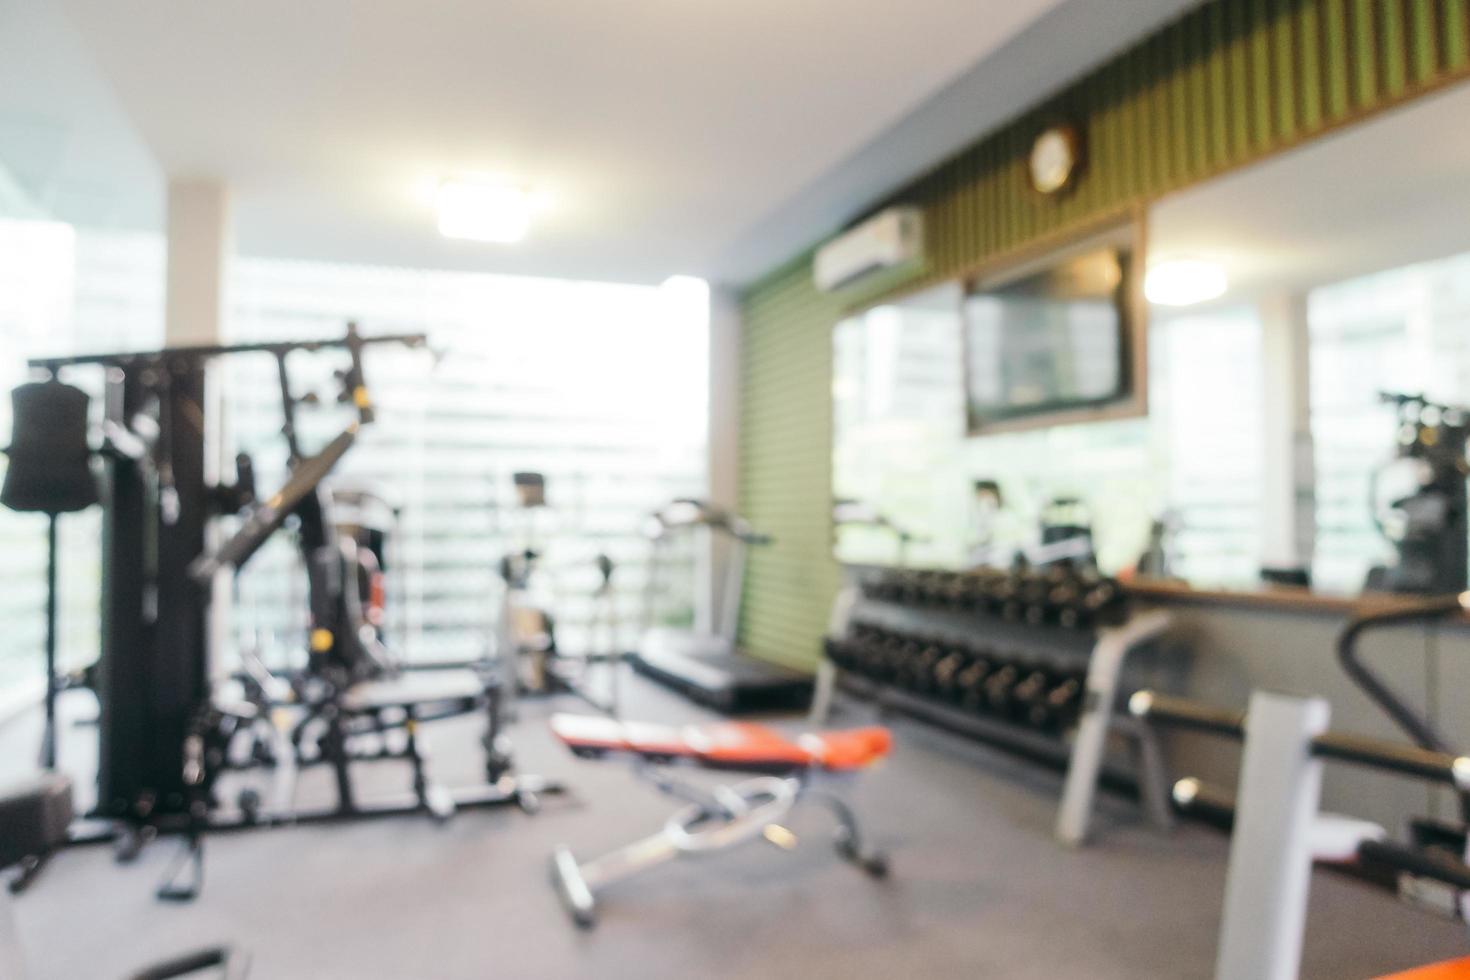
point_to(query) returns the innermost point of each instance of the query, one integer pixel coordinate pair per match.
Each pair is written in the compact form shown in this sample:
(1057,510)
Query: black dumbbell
(1066,599)
(1065,700)
(998,688)
(1028,698)
(1009,602)
(970,683)
(837,652)
(1104,603)
(921,669)
(947,674)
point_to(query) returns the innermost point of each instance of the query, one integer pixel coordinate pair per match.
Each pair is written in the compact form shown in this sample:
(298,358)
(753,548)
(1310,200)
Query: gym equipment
(703,663)
(725,816)
(366,519)
(1430,526)
(1278,829)
(1020,658)
(34,821)
(855,513)
(525,637)
(166,734)
(50,472)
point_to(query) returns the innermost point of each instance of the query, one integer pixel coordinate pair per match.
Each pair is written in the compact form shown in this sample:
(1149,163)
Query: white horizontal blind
(1206,401)
(1400,330)
(600,387)
(62,291)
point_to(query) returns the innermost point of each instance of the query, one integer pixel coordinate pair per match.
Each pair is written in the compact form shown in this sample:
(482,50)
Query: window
(600,387)
(1400,330)
(63,290)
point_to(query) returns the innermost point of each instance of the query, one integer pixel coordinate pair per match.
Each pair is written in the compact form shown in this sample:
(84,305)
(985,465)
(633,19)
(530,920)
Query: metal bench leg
(577,884)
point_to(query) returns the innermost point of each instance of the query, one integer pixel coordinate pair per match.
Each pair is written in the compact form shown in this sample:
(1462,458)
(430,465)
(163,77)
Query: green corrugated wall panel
(1456,34)
(1281,81)
(1365,34)
(1229,82)
(1395,69)
(1336,55)
(1423,39)
(1308,26)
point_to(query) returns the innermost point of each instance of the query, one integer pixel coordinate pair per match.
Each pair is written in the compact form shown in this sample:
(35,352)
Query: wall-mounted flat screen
(1049,341)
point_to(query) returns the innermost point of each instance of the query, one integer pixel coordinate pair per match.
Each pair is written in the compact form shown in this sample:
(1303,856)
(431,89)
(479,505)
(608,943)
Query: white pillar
(1288,504)
(723,452)
(200,240)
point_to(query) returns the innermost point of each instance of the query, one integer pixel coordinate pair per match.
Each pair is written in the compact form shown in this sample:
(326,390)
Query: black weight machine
(1429,526)
(166,735)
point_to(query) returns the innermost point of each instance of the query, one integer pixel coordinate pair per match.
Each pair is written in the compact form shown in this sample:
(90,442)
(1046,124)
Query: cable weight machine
(165,737)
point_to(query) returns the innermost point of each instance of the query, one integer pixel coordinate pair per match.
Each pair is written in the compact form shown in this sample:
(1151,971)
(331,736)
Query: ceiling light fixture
(484,210)
(1184,282)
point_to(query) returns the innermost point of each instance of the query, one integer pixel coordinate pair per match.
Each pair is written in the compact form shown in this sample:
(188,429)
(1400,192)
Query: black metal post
(48,735)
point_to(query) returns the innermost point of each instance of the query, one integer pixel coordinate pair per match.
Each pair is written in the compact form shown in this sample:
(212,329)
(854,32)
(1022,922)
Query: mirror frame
(1130,231)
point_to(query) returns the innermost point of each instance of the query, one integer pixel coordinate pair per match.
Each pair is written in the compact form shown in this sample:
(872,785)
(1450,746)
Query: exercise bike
(533,663)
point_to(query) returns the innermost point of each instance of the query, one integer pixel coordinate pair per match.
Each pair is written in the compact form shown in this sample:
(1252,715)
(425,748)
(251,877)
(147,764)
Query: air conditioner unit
(887,240)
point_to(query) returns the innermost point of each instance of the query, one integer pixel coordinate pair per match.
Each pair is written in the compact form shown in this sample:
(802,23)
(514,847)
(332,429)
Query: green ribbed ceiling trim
(1227,84)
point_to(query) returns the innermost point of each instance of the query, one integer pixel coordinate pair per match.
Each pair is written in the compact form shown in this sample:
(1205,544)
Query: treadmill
(704,663)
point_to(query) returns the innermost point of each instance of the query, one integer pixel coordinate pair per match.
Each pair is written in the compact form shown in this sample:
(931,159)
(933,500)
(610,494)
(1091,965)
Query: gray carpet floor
(978,888)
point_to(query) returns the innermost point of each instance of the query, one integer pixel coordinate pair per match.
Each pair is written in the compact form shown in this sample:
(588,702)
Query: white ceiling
(67,148)
(672,135)
(658,127)
(1387,192)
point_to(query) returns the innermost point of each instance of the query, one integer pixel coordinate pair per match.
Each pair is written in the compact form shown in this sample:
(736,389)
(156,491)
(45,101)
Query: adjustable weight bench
(728,815)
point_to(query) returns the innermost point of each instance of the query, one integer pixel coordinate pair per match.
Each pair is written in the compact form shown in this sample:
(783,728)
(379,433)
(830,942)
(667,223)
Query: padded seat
(725,745)
(1450,970)
(415,688)
(34,816)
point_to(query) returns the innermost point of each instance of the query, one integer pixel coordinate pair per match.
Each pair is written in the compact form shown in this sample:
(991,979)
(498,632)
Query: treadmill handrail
(677,516)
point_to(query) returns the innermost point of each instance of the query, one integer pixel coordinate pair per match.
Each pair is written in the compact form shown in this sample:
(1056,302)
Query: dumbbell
(1010,602)
(868,653)
(1028,698)
(1065,700)
(998,688)
(990,592)
(839,652)
(920,672)
(964,592)
(899,653)
(1103,603)
(1035,589)
(947,673)
(970,683)
(1066,599)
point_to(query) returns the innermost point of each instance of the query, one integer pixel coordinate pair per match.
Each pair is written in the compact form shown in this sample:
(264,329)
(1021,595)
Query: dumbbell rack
(1017,659)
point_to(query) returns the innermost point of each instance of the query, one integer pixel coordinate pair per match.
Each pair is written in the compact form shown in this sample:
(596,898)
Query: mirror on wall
(1285,299)
(898,413)
(1052,340)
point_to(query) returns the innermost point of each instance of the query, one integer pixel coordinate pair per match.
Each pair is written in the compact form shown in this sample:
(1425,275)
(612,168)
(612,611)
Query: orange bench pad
(731,744)
(1448,970)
